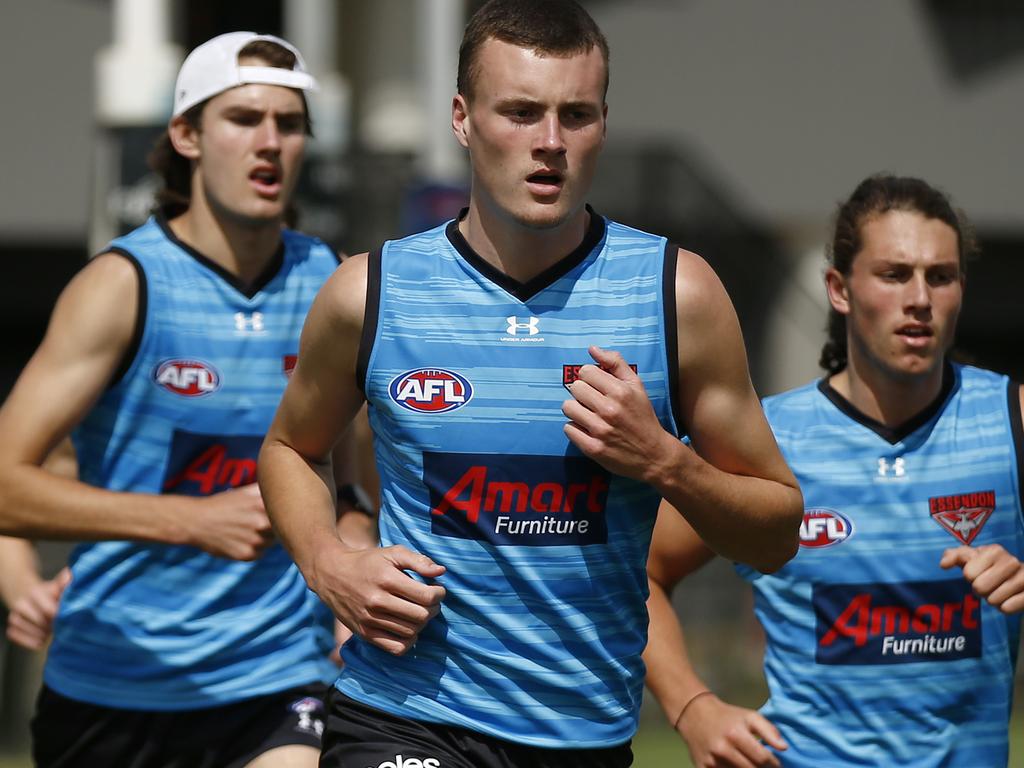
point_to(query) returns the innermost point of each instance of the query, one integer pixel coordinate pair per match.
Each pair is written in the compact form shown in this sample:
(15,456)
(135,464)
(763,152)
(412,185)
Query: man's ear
(838,291)
(184,137)
(460,119)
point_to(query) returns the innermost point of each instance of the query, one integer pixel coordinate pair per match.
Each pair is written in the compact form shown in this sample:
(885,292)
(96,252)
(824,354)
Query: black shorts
(358,736)
(72,734)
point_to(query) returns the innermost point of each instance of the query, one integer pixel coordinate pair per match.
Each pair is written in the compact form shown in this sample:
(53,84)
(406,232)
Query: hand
(992,572)
(611,418)
(720,735)
(30,621)
(341,636)
(231,524)
(371,594)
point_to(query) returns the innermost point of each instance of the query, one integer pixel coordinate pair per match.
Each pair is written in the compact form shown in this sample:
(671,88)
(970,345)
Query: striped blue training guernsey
(875,655)
(538,640)
(160,627)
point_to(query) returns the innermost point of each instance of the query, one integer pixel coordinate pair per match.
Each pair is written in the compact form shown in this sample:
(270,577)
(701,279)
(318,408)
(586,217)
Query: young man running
(186,636)
(892,636)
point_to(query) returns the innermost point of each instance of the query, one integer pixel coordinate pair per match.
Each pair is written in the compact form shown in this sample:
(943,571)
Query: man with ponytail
(892,635)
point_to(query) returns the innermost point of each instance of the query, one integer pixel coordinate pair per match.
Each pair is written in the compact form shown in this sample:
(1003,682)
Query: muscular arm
(734,488)
(367,589)
(676,552)
(88,336)
(716,733)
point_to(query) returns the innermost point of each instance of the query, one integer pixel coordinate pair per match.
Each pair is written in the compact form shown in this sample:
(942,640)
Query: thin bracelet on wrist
(686,706)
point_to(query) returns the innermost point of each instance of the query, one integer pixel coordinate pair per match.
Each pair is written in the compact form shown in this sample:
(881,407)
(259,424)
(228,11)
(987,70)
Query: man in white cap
(186,636)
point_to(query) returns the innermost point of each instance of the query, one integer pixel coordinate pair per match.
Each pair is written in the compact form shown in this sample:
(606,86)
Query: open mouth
(545,180)
(915,332)
(267,180)
(916,336)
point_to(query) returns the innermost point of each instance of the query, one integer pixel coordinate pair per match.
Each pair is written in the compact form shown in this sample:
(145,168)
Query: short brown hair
(558,27)
(174,198)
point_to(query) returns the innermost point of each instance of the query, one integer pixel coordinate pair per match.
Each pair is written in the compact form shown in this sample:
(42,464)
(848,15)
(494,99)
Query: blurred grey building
(735,126)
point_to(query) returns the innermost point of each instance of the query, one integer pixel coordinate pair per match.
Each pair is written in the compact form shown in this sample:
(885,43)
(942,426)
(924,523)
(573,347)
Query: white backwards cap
(213,68)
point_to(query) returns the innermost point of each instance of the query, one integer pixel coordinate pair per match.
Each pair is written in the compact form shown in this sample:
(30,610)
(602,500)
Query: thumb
(613,362)
(957,556)
(62,579)
(767,732)
(408,560)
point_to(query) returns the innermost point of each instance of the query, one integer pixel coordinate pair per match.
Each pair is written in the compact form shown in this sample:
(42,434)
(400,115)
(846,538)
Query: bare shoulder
(702,302)
(700,295)
(109,274)
(99,304)
(342,300)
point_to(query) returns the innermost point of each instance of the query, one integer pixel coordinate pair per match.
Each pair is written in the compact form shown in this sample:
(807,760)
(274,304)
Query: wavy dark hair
(558,27)
(874,196)
(174,198)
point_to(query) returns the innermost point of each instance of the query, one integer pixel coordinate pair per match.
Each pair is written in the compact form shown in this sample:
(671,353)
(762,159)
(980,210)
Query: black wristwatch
(357,499)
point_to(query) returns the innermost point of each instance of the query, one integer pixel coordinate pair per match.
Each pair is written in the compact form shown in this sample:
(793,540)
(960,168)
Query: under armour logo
(897,466)
(253,322)
(514,326)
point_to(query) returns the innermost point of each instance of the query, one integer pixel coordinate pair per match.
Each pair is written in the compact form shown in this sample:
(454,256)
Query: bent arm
(296,473)
(676,552)
(734,488)
(369,590)
(89,333)
(716,733)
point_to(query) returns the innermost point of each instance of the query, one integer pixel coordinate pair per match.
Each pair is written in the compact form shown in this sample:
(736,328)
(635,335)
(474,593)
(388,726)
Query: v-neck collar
(248,291)
(893,435)
(533,286)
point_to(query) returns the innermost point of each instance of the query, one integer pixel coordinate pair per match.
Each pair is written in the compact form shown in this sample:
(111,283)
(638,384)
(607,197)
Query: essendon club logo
(963,514)
(190,378)
(896,623)
(571,373)
(430,390)
(520,500)
(823,528)
(199,465)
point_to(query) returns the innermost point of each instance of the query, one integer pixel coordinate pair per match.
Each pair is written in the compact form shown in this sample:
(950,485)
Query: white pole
(135,74)
(440,24)
(312,27)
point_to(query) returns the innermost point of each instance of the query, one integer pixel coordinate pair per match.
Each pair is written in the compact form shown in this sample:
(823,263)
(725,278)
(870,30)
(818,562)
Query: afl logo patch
(430,390)
(189,378)
(823,528)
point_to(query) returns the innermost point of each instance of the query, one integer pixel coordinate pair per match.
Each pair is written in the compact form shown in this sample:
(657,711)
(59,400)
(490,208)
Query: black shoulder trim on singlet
(370,316)
(1017,429)
(140,318)
(893,435)
(533,286)
(668,292)
(269,272)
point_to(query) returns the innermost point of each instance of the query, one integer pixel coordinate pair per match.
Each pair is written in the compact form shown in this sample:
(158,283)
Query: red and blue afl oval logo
(430,390)
(823,528)
(190,378)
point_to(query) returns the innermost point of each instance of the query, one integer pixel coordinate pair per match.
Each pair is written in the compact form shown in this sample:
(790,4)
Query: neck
(242,248)
(521,252)
(889,400)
